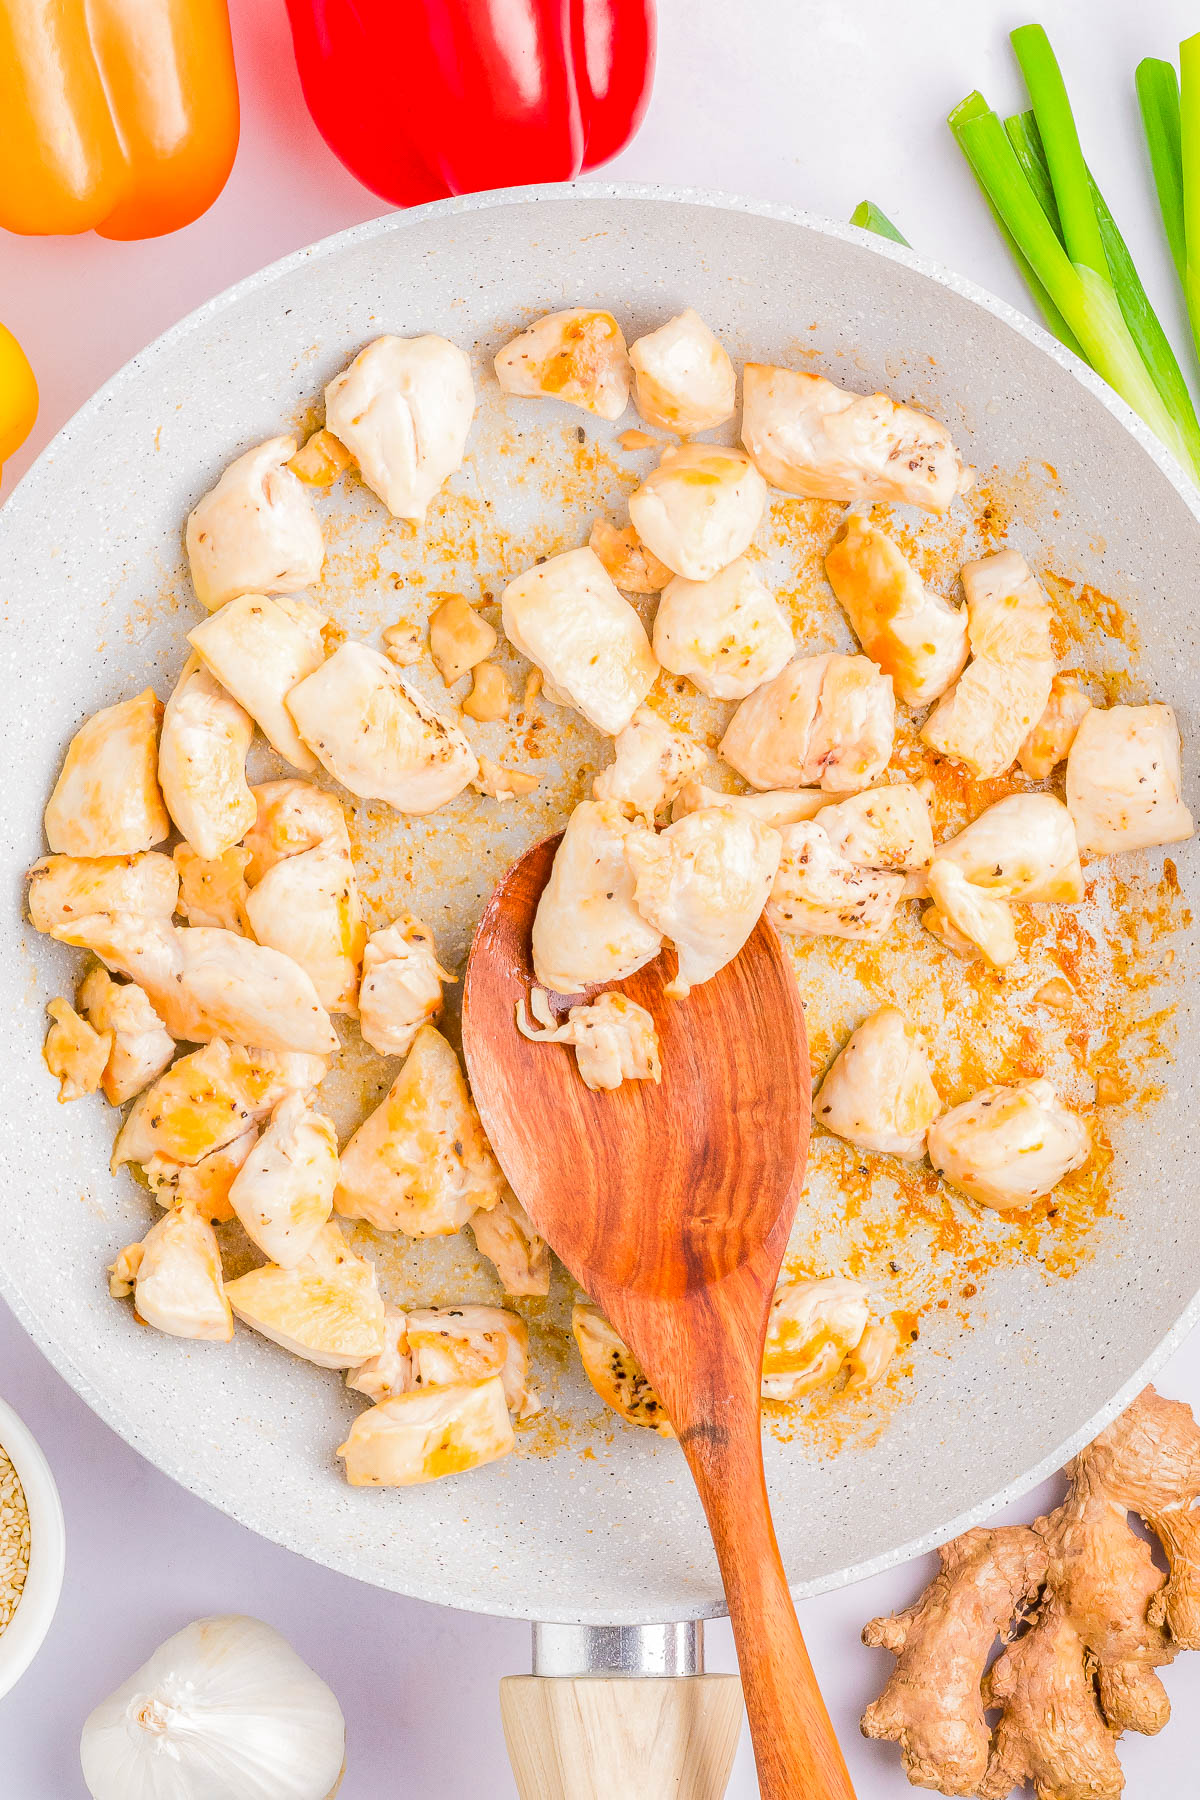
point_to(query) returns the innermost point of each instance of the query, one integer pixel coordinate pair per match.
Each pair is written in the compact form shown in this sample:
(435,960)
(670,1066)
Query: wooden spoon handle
(795,1746)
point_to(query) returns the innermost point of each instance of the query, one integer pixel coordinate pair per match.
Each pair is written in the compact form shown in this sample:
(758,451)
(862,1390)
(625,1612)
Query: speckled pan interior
(593,1521)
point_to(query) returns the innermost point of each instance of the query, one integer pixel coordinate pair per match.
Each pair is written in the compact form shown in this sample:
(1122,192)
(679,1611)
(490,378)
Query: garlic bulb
(224,1710)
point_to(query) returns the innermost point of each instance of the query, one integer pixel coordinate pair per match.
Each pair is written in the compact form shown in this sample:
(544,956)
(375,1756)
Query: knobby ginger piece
(495,782)
(420,1162)
(817,892)
(490,697)
(615,1372)
(74,1053)
(577,355)
(320,459)
(653,762)
(698,511)
(214,893)
(587,928)
(208,1098)
(813,1327)
(1096,1617)
(505,1235)
(915,636)
(1124,780)
(402,644)
(626,559)
(403,408)
(566,615)
(972,914)
(378,736)
(879,1091)
(303,899)
(259,649)
(812,438)
(1002,693)
(423,1435)
(1051,738)
(449,1344)
(177,1282)
(1007,1146)
(683,378)
(1022,848)
(255,532)
(106,801)
(401,985)
(728,635)
(458,638)
(141,1046)
(703,883)
(871,1357)
(825,721)
(202,763)
(328,1309)
(614,1038)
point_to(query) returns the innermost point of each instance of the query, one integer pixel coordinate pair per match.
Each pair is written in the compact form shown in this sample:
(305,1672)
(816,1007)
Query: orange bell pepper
(119,116)
(18,396)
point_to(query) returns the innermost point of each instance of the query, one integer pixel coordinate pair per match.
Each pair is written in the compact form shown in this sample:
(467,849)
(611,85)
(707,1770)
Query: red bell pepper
(424,98)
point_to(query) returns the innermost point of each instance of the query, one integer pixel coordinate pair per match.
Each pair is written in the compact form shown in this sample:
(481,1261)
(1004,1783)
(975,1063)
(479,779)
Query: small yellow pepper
(18,396)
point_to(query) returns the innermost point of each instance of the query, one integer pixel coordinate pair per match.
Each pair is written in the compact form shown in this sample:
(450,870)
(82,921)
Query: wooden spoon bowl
(671,1204)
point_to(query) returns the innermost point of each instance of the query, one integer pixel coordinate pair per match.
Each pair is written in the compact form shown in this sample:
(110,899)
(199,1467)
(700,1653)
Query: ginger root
(1082,1612)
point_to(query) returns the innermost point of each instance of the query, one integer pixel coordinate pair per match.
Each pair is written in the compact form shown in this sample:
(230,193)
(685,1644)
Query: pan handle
(620,1712)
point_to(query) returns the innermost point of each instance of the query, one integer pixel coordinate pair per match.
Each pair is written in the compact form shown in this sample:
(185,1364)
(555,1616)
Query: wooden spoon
(671,1205)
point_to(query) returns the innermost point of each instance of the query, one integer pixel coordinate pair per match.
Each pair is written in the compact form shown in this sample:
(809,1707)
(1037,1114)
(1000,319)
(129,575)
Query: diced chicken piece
(205,983)
(1124,780)
(401,985)
(703,883)
(787,807)
(320,459)
(653,761)
(202,763)
(1003,691)
(1007,1146)
(728,635)
(614,1038)
(424,1435)
(451,1344)
(204,1185)
(569,619)
(577,355)
(700,508)
(971,913)
(176,1275)
(878,1092)
(915,636)
(259,649)
(587,928)
(74,1053)
(328,1309)
(459,638)
(403,409)
(141,1046)
(505,1235)
(208,1098)
(304,900)
(812,438)
(626,559)
(389,1373)
(214,893)
(106,801)
(812,1329)
(283,1192)
(420,1162)
(615,1372)
(1023,848)
(497,783)
(881,828)
(827,721)
(683,378)
(1051,738)
(819,893)
(64,889)
(256,531)
(379,737)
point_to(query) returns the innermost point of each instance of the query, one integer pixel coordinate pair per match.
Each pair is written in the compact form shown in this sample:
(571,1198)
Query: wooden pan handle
(622,1737)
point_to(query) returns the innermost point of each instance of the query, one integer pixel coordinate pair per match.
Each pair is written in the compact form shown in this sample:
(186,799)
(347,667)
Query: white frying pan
(595,1522)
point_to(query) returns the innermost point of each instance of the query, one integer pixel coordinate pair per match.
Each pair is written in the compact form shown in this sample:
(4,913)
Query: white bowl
(47,1551)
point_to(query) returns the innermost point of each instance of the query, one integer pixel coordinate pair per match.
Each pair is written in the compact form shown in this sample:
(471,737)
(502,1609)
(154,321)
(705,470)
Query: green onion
(1060,140)
(870,218)
(1158,98)
(1189,156)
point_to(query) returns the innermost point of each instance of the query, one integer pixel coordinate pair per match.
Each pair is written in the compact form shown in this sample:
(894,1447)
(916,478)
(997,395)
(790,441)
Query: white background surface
(812,102)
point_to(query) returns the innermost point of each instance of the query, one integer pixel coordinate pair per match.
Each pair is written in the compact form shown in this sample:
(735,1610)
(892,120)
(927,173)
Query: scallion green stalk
(1189,158)
(869,217)
(1158,98)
